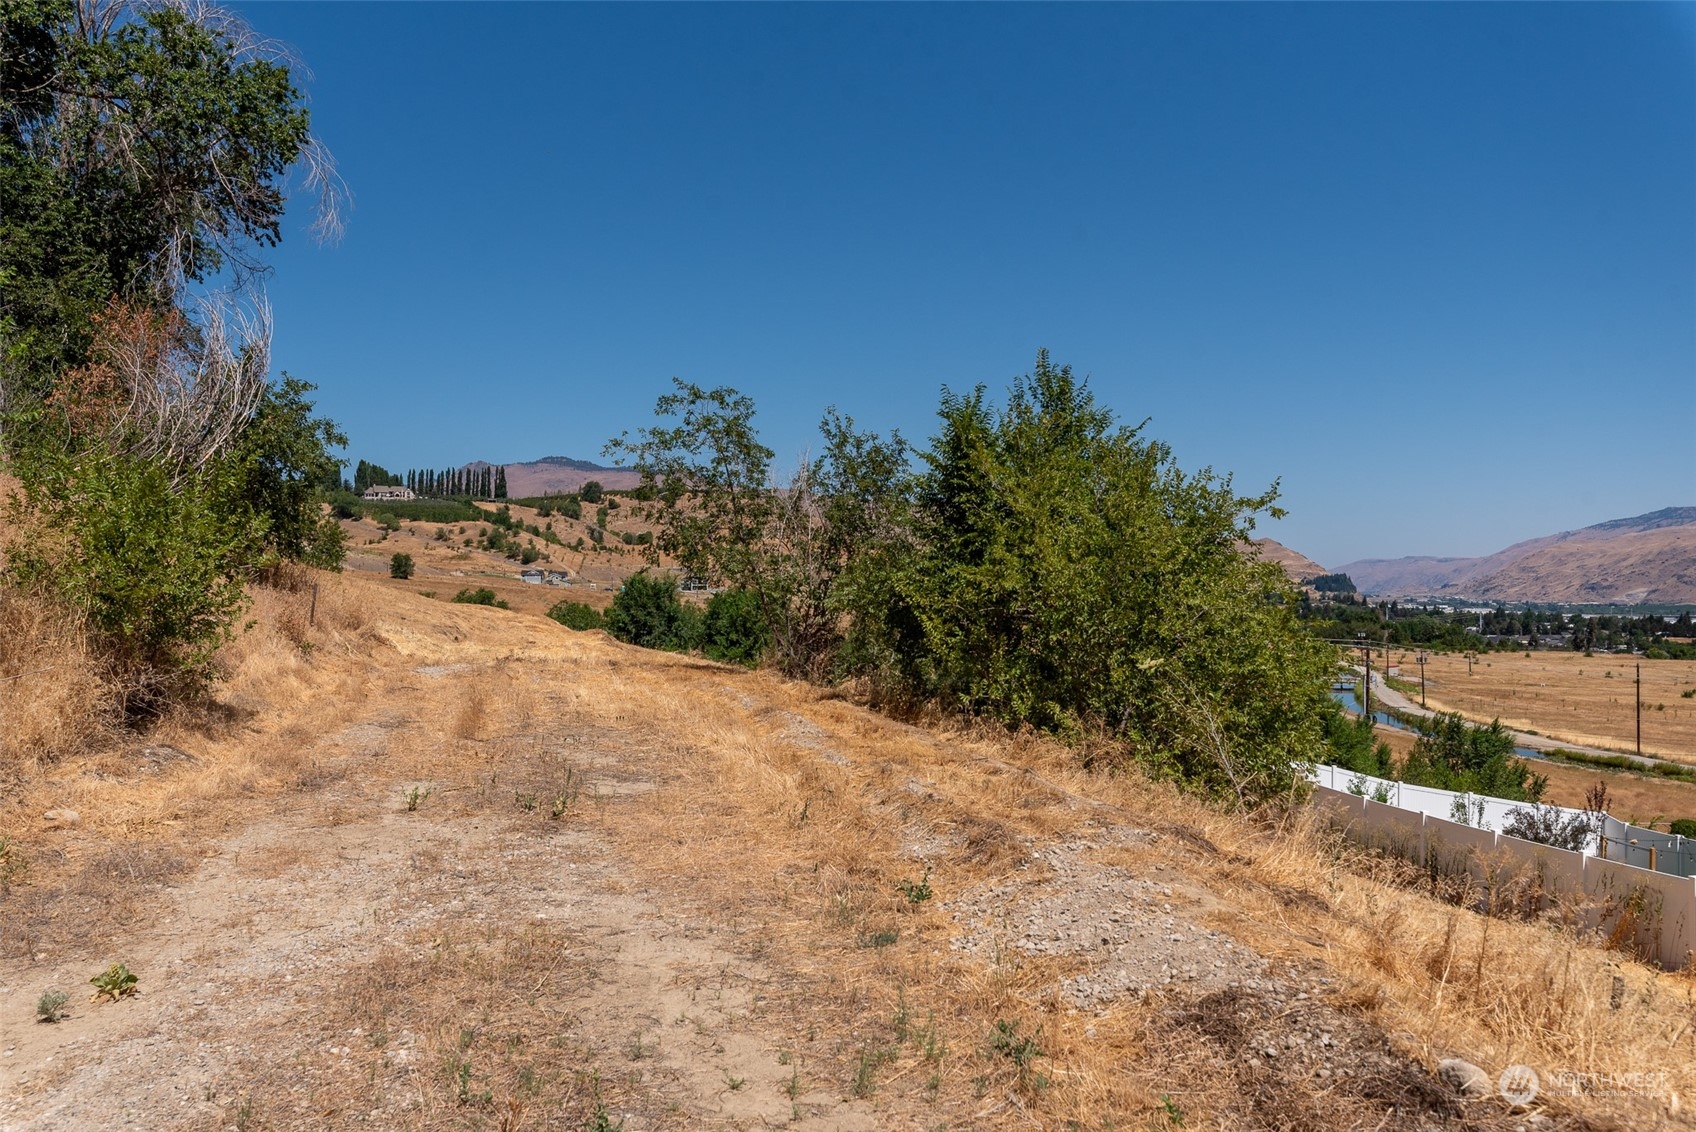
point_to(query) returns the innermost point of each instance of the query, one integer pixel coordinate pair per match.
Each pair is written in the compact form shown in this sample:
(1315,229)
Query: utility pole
(1366,654)
(1421,659)
(1640,709)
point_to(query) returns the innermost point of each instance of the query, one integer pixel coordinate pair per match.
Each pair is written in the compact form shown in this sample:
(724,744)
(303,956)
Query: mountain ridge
(1640,558)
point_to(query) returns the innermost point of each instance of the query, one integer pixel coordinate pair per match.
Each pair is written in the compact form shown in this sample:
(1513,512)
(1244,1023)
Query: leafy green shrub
(1654,653)
(1684,827)
(529,554)
(577,615)
(156,566)
(647,612)
(733,628)
(400,566)
(114,982)
(480,596)
(591,492)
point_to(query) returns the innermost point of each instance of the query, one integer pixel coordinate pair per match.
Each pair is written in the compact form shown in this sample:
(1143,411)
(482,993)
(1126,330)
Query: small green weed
(415,798)
(1020,1049)
(735,1083)
(114,982)
(526,802)
(566,798)
(50,1007)
(916,892)
(865,1073)
(1174,1114)
(879,939)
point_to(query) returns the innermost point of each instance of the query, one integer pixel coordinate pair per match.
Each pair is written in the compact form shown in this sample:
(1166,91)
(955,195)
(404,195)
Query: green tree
(1065,573)
(591,492)
(140,149)
(500,482)
(733,629)
(647,612)
(709,474)
(281,460)
(400,566)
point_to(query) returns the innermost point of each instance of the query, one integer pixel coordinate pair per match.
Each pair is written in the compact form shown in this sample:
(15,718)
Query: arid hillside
(562,474)
(1297,565)
(436,866)
(1646,558)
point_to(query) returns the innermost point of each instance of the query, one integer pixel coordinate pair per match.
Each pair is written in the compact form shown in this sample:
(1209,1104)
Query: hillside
(1298,566)
(468,868)
(1646,558)
(561,474)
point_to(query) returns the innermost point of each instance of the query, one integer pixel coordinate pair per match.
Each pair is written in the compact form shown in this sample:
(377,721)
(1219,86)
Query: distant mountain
(1297,565)
(1646,558)
(561,474)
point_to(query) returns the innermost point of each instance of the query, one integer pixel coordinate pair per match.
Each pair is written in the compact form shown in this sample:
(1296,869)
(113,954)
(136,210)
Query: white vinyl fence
(1652,912)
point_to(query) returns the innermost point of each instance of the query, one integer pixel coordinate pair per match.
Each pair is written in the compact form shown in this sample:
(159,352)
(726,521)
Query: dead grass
(53,700)
(783,817)
(1579,699)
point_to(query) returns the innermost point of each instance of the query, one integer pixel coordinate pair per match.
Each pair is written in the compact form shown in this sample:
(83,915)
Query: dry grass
(1568,696)
(781,818)
(53,700)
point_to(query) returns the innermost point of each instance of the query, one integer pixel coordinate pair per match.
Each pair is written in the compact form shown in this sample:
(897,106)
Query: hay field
(1567,696)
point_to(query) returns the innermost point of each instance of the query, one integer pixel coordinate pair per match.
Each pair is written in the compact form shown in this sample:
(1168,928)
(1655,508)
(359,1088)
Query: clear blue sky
(1432,265)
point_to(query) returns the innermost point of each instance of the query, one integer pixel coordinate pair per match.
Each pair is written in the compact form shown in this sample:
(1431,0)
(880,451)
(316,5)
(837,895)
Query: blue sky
(1434,266)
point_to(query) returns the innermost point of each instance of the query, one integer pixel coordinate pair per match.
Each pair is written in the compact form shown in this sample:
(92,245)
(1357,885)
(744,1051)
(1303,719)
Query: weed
(793,1085)
(783,1057)
(50,1007)
(12,864)
(916,892)
(879,939)
(526,802)
(638,1051)
(1021,1050)
(1174,1114)
(865,1073)
(466,1096)
(566,798)
(929,1041)
(244,1114)
(735,1083)
(807,807)
(899,1022)
(114,982)
(415,797)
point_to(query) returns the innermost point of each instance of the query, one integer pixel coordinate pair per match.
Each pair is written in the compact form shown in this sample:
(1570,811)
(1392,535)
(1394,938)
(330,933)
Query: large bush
(157,567)
(734,628)
(577,615)
(647,612)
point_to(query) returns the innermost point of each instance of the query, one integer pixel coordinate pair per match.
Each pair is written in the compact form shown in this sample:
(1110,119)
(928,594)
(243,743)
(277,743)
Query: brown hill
(562,474)
(1645,558)
(1297,565)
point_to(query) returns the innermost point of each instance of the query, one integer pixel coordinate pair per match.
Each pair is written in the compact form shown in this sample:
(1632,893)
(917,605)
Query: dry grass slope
(436,866)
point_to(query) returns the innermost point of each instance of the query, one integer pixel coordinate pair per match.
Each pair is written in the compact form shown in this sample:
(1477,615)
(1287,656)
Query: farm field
(1567,696)
(1641,799)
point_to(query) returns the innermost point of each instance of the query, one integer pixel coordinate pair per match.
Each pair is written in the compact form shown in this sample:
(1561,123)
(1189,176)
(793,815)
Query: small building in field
(384,491)
(531,577)
(556,577)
